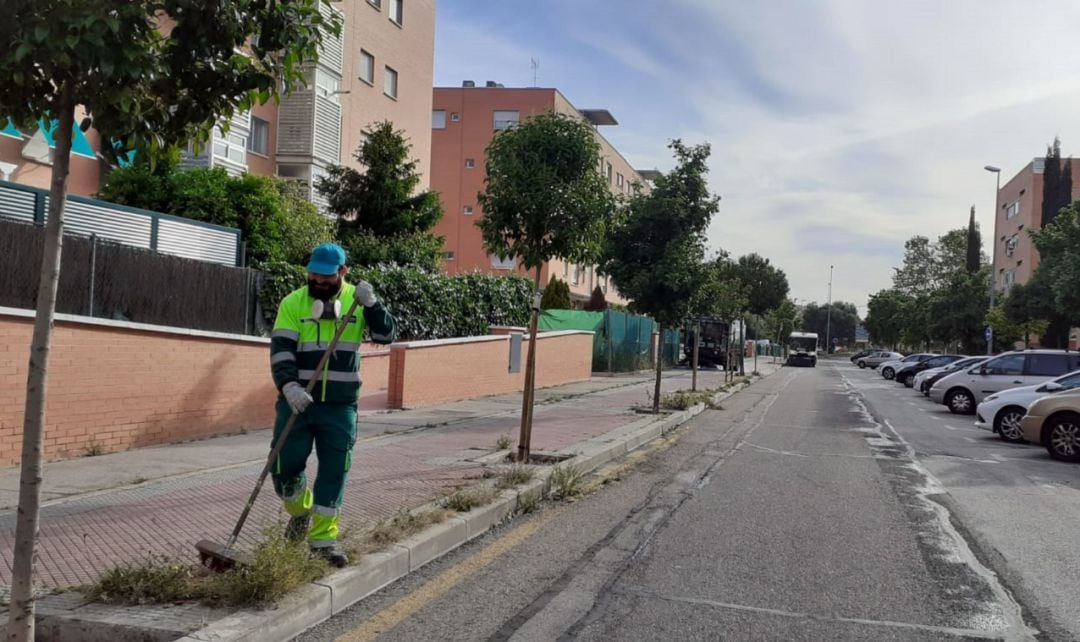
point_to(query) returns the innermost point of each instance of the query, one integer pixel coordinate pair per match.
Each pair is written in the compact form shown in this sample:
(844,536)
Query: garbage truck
(802,349)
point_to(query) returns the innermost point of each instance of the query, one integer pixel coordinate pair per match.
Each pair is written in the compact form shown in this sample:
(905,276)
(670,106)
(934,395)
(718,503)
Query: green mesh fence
(622,342)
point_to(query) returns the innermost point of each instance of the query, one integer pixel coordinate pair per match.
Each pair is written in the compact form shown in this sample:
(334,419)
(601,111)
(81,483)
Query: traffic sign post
(989,340)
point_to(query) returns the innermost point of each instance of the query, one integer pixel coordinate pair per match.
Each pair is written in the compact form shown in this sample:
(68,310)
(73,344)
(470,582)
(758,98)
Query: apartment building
(463,121)
(1019,211)
(380,68)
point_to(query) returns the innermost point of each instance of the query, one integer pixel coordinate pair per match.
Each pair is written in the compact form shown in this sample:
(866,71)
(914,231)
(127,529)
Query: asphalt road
(819,504)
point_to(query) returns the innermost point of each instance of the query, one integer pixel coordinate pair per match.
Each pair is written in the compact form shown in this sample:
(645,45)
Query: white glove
(365,293)
(297,398)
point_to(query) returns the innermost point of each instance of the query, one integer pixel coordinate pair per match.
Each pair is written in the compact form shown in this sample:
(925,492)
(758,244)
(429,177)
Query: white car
(966,388)
(1001,412)
(923,379)
(889,368)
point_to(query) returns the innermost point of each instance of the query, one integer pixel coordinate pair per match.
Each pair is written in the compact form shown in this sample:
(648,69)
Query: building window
(604,286)
(375,3)
(231,147)
(328,86)
(367,67)
(566,269)
(397,11)
(259,139)
(469,163)
(505,119)
(468,210)
(449,256)
(619,181)
(1012,210)
(455,117)
(1010,278)
(609,172)
(1010,245)
(438,119)
(503,264)
(577,275)
(390,83)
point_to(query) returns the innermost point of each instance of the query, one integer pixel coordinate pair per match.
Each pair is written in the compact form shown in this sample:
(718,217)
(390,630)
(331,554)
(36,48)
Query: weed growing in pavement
(566,483)
(515,475)
(528,503)
(503,442)
(464,501)
(398,527)
(684,399)
(277,567)
(93,449)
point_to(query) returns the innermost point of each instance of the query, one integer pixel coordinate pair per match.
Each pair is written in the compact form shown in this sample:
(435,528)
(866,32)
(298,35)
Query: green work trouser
(331,428)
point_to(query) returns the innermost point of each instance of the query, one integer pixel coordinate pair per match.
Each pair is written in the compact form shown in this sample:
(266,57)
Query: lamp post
(828,317)
(993,260)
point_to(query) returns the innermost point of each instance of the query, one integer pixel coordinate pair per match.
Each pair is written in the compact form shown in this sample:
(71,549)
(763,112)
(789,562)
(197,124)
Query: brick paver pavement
(85,535)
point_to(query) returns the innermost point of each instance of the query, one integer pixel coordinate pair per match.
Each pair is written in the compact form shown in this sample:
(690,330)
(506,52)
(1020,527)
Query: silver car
(875,359)
(965,389)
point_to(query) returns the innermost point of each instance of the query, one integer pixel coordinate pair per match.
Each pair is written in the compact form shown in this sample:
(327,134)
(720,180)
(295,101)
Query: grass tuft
(515,475)
(503,442)
(464,501)
(398,527)
(566,483)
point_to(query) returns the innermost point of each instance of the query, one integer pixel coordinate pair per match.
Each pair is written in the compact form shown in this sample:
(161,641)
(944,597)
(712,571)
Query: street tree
(380,214)
(974,245)
(137,86)
(957,312)
(596,302)
(655,255)
(781,321)
(884,317)
(841,324)
(544,198)
(556,295)
(1059,268)
(719,295)
(766,286)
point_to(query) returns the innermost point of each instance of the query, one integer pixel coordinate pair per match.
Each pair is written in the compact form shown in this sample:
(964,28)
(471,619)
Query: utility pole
(828,318)
(993,257)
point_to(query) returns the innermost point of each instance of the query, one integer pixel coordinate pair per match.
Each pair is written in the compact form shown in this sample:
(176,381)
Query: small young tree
(556,295)
(721,296)
(137,85)
(655,255)
(544,198)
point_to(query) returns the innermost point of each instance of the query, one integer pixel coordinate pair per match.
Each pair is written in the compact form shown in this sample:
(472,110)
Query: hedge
(424,304)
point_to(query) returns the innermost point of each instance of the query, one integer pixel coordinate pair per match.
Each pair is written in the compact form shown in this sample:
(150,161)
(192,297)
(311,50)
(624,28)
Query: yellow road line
(434,588)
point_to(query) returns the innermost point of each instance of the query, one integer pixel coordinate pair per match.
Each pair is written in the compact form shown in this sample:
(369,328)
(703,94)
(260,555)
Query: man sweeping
(306,323)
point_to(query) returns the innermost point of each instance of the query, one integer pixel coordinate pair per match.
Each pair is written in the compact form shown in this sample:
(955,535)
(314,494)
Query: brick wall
(424,373)
(125,385)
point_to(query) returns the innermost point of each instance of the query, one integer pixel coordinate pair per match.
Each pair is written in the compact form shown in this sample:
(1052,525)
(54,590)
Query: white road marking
(970,440)
(950,427)
(998,457)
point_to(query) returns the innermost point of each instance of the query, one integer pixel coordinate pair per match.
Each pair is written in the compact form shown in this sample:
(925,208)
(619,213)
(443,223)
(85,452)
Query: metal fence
(126,225)
(106,279)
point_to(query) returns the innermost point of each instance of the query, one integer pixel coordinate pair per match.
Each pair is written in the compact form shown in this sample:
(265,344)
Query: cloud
(839,128)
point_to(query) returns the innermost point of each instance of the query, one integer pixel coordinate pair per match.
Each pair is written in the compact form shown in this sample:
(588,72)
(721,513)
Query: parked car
(906,374)
(875,359)
(860,354)
(1054,422)
(927,378)
(965,389)
(889,368)
(1002,412)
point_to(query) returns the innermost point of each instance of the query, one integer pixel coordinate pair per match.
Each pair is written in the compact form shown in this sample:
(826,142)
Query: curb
(328,596)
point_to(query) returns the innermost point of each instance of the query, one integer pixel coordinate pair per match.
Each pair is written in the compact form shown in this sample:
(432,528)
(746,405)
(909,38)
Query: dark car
(969,362)
(860,354)
(906,375)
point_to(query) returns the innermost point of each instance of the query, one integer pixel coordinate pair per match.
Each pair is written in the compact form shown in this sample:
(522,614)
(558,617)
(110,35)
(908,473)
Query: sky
(839,128)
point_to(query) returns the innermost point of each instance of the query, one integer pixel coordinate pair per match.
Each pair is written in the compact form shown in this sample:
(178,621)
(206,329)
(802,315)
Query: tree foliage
(655,255)
(765,286)
(1057,183)
(958,311)
(1058,274)
(840,325)
(974,245)
(885,317)
(543,194)
(556,295)
(382,200)
(782,321)
(597,302)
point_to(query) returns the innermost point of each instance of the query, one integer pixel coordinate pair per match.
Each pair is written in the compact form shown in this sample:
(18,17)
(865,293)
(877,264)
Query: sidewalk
(102,511)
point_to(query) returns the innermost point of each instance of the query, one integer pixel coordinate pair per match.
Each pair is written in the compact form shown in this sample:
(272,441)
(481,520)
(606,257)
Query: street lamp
(993,256)
(828,317)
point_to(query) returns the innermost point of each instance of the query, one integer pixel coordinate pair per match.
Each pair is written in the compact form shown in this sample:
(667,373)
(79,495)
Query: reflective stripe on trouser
(324,527)
(331,430)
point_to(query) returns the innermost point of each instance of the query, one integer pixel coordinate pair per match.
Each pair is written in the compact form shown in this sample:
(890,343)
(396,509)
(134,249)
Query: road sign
(989,333)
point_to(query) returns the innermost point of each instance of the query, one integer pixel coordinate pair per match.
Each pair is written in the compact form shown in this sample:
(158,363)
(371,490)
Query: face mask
(323,291)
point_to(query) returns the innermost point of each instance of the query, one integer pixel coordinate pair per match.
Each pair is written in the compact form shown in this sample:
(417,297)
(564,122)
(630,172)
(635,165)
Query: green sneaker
(297,528)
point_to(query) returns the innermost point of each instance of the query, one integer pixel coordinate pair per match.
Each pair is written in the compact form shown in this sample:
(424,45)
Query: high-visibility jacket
(298,342)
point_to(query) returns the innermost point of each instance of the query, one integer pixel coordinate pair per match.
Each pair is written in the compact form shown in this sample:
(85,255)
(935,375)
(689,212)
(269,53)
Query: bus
(802,349)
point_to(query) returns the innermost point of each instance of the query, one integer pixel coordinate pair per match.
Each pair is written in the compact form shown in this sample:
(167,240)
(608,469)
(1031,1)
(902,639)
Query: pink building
(464,120)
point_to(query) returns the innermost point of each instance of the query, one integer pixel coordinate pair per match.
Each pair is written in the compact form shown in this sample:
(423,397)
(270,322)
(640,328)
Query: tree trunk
(697,338)
(660,368)
(21,615)
(525,438)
